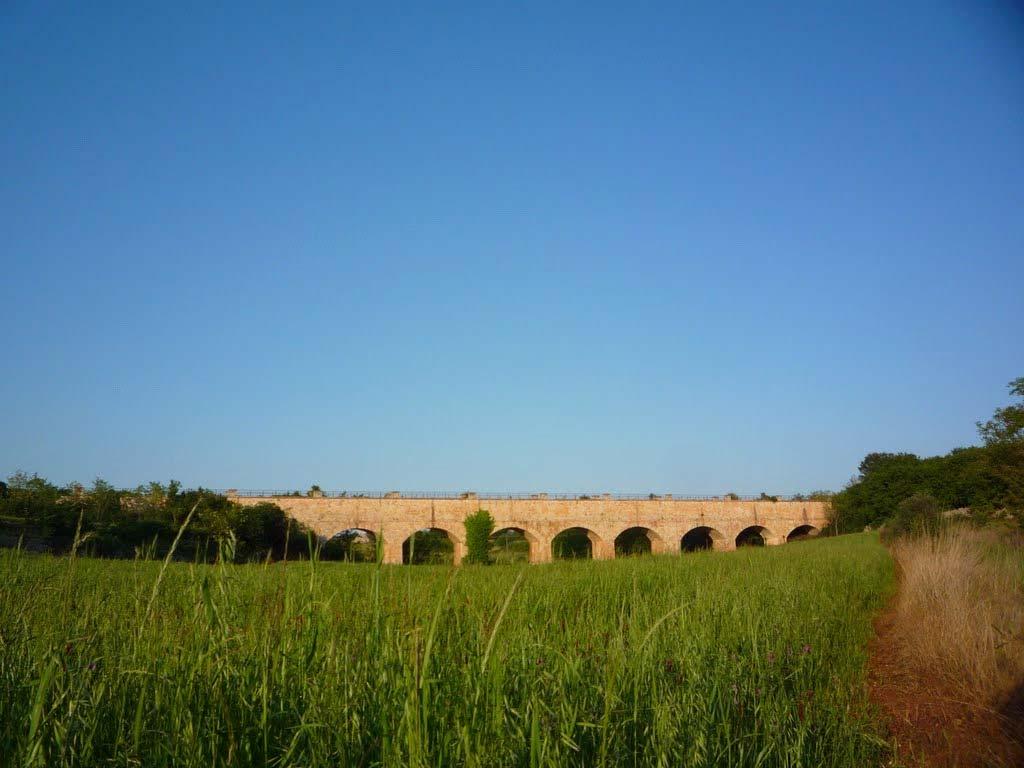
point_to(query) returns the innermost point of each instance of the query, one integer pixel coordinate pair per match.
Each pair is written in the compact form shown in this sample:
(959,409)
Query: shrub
(479,527)
(918,514)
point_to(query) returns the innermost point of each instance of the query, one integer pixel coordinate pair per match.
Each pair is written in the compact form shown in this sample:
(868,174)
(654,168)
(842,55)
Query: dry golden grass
(960,610)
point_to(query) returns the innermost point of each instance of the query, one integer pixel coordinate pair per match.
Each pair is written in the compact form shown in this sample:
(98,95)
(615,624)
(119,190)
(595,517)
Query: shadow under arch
(356,545)
(802,532)
(754,536)
(700,538)
(512,544)
(574,544)
(429,546)
(637,540)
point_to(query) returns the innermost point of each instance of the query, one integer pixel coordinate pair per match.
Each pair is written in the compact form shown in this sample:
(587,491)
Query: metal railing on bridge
(501,495)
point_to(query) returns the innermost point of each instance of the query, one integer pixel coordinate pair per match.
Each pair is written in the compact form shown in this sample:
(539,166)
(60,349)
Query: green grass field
(747,658)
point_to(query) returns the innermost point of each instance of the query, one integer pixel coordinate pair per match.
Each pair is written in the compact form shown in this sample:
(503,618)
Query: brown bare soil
(931,723)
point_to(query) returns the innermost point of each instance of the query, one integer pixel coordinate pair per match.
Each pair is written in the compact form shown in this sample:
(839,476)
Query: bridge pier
(540,550)
(393,550)
(600,549)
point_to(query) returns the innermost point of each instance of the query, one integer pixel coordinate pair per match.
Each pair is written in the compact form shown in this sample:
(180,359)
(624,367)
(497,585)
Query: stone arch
(753,536)
(507,544)
(700,538)
(638,540)
(437,546)
(351,544)
(802,532)
(575,543)
(356,529)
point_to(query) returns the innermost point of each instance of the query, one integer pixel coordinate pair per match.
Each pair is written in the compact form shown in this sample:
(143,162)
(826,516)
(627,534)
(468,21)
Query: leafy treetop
(1007,424)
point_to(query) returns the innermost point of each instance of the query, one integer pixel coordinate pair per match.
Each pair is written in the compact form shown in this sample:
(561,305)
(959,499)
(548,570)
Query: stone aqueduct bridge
(721,523)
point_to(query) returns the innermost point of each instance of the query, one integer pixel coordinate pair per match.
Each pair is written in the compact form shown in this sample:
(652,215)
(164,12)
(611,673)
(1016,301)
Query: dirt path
(929,723)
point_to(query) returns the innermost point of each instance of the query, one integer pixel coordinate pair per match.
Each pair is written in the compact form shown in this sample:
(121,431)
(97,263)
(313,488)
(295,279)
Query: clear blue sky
(669,247)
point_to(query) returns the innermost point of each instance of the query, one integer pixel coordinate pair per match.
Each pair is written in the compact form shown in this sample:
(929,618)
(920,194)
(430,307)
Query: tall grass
(746,658)
(960,609)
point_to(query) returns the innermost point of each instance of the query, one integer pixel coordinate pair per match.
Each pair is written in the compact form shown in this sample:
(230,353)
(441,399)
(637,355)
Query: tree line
(906,490)
(105,521)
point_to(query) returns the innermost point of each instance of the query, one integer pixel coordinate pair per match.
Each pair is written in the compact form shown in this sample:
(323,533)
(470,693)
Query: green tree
(104,503)
(884,481)
(479,527)
(39,505)
(1007,424)
(1004,438)
(259,529)
(982,478)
